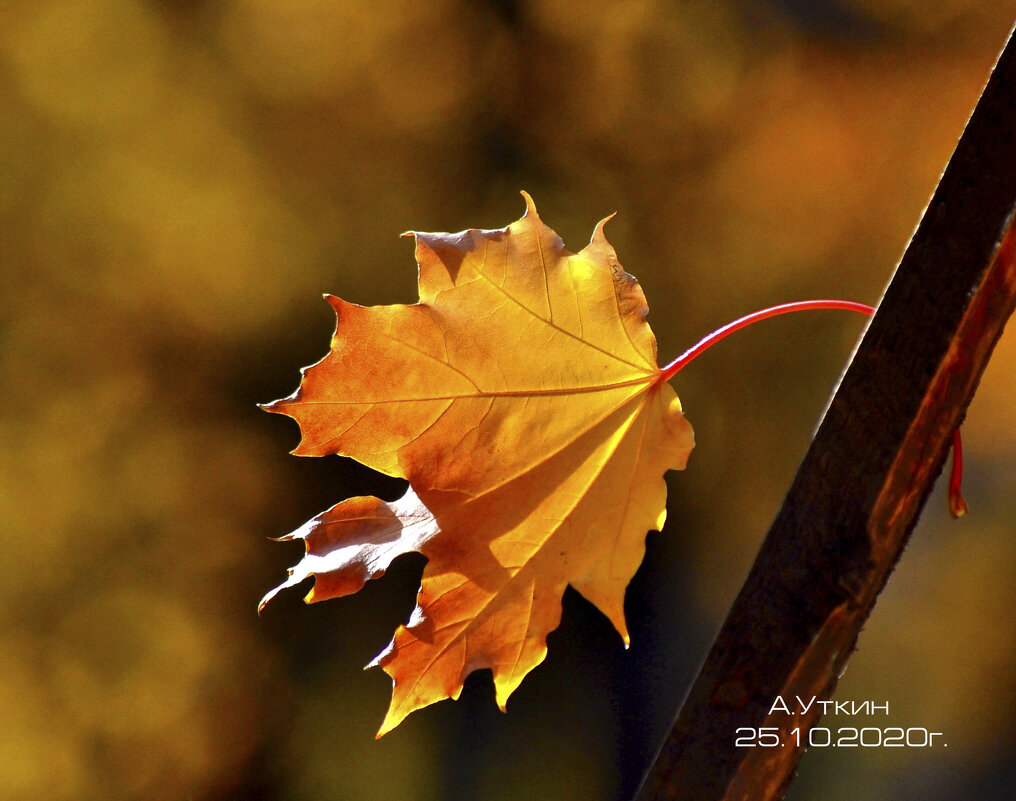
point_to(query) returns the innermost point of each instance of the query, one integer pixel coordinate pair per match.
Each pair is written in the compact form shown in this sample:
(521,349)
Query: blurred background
(181,181)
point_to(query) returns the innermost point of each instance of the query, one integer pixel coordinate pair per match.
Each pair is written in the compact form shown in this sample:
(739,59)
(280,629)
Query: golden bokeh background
(180,181)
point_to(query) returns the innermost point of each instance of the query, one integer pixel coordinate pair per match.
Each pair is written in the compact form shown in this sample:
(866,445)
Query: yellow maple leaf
(522,400)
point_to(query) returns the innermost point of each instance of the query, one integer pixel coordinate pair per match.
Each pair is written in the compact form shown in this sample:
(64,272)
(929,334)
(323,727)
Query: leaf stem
(723,332)
(957,505)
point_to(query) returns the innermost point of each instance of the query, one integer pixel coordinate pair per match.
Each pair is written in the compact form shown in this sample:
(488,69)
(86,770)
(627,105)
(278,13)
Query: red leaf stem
(957,505)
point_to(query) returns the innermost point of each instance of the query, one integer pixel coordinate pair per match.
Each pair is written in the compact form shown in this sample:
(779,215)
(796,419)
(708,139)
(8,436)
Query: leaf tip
(599,237)
(268,597)
(382,658)
(271,406)
(530,204)
(388,724)
(392,719)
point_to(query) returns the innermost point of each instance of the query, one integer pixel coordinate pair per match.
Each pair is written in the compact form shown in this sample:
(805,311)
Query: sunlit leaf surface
(522,400)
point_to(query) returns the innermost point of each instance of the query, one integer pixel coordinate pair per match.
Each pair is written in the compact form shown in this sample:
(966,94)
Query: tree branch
(855,500)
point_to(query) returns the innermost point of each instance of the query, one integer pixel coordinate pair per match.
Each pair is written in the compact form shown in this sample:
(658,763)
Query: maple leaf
(522,400)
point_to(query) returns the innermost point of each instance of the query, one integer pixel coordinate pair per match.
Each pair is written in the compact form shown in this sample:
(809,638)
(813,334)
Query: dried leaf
(522,400)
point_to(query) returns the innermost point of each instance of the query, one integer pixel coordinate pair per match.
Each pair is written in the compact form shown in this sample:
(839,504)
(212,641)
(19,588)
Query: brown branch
(857,495)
